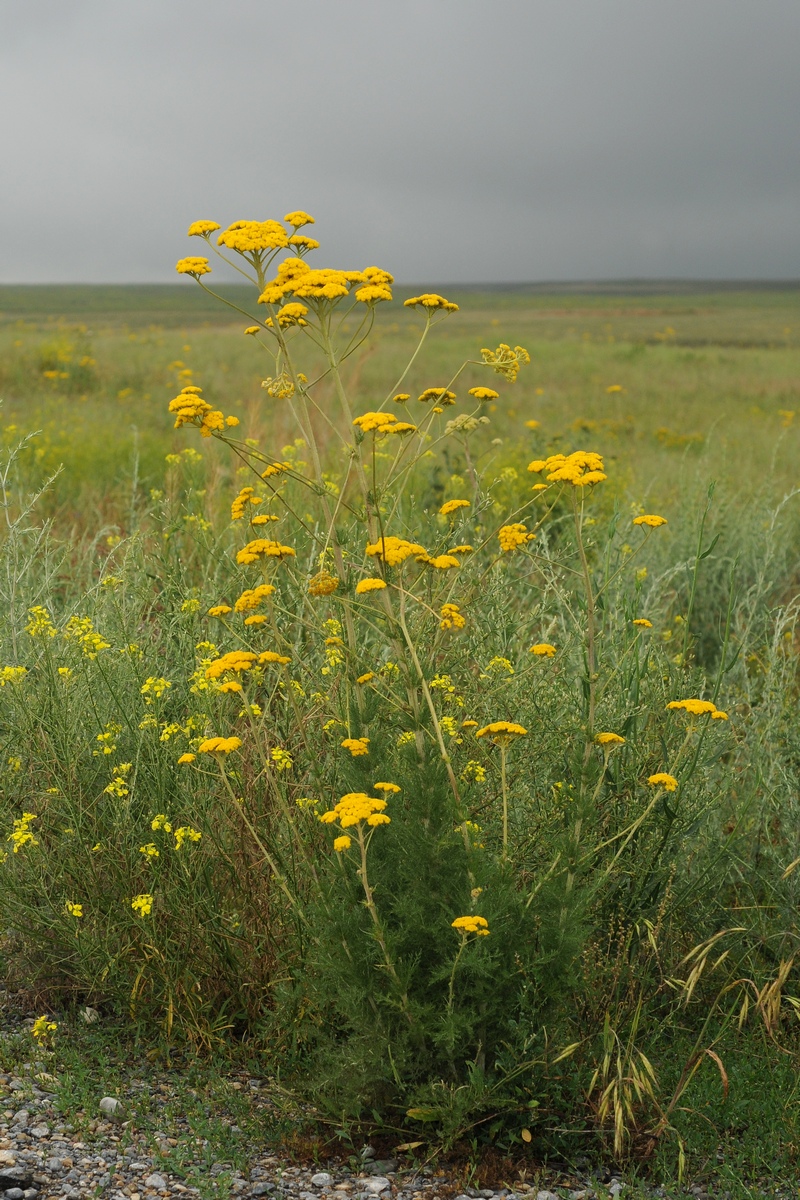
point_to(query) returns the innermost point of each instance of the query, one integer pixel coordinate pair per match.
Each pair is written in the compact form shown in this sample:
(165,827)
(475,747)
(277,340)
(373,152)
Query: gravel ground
(146,1139)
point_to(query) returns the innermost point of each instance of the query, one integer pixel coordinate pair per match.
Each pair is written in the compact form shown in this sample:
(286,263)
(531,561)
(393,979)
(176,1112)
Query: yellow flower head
(386,787)
(202,228)
(219,610)
(502,733)
(193,266)
(253,329)
(467,925)
(543,650)
(356,746)
(42,1028)
(401,397)
(609,739)
(235,660)
(484,393)
(451,506)
(264,548)
(431,303)
(440,395)
(366,677)
(511,537)
(142,905)
(253,237)
(451,617)
(440,562)
(697,708)
(581,468)
(650,520)
(393,550)
(73,910)
(369,585)
(298,219)
(354,808)
(219,745)
(322,584)
(643,623)
(342,843)
(185,759)
(505,361)
(661,779)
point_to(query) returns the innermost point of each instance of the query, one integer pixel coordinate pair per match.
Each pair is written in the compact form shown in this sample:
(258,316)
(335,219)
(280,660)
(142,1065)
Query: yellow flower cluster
(219,745)
(298,219)
(661,779)
(356,746)
(21,832)
(431,303)
(451,506)
(235,660)
(451,617)
(155,686)
(73,910)
(190,409)
(643,623)
(543,650)
(699,708)
(202,228)
(185,833)
(246,496)
(12,675)
(276,468)
(142,904)
(440,395)
(40,623)
(467,925)
(511,537)
(295,277)
(609,739)
(382,423)
(484,393)
(505,361)
(193,266)
(356,807)
(42,1028)
(581,468)
(322,584)
(251,237)
(502,733)
(252,597)
(393,550)
(650,520)
(369,585)
(263,548)
(81,630)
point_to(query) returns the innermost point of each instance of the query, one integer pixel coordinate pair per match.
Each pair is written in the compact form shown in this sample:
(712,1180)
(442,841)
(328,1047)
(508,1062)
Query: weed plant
(466,786)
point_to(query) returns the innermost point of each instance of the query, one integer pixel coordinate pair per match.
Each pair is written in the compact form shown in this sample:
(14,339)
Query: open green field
(641,963)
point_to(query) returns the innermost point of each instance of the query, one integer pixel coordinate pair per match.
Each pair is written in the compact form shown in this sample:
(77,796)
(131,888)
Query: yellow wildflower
(342,843)
(186,833)
(366,677)
(185,759)
(42,1028)
(467,925)
(543,650)
(484,393)
(451,617)
(661,779)
(451,506)
(150,850)
(356,746)
(322,584)
(431,303)
(609,739)
(354,808)
(142,904)
(193,266)
(40,623)
(650,520)
(439,394)
(21,832)
(643,623)
(401,397)
(393,550)
(441,562)
(369,585)
(298,219)
(581,468)
(697,708)
(511,537)
(73,910)
(271,656)
(282,759)
(219,745)
(505,361)
(252,597)
(263,548)
(202,228)
(502,732)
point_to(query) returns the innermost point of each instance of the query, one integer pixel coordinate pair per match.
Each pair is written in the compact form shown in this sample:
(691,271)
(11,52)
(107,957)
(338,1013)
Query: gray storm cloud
(449,141)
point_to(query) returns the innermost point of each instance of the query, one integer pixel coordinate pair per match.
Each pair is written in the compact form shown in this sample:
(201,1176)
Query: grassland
(678,392)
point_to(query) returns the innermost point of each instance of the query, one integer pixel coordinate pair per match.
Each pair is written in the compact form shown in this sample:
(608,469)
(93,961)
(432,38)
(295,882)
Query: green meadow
(636,997)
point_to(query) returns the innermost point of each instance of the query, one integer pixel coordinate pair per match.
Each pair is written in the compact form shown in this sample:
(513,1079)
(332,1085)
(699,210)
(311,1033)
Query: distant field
(710,379)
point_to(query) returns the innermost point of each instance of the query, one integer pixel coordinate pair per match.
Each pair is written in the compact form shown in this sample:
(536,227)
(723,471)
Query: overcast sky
(445,140)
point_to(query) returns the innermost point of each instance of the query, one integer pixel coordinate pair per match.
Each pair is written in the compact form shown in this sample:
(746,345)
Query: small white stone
(112,1108)
(376,1185)
(7,1159)
(322,1179)
(90,1015)
(156,1181)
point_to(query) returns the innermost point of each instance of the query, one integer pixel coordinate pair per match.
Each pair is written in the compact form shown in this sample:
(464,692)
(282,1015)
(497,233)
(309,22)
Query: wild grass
(642,941)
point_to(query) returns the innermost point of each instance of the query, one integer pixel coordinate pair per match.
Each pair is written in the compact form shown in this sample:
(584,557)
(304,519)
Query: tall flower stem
(591,668)
(378,928)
